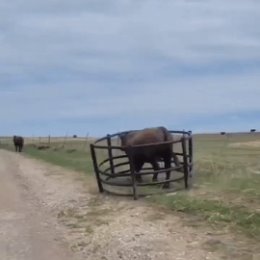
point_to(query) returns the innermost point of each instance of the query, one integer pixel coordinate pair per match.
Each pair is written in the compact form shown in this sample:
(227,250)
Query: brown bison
(18,143)
(150,154)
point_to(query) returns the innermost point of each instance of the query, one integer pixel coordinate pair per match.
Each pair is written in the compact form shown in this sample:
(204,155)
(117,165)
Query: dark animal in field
(18,143)
(150,154)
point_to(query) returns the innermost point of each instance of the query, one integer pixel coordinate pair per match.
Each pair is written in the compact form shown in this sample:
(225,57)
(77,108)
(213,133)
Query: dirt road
(27,232)
(47,212)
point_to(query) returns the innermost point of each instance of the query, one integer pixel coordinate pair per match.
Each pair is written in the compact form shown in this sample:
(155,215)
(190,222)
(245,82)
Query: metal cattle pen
(113,168)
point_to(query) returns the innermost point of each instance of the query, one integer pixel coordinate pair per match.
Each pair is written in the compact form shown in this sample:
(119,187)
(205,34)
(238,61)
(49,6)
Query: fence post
(110,154)
(132,170)
(190,153)
(185,161)
(95,165)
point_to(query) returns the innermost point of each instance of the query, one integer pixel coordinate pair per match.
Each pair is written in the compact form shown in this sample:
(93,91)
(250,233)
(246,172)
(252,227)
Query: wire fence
(66,142)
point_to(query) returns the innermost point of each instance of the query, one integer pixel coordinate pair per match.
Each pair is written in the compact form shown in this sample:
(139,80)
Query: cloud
(182,97)
(128,60)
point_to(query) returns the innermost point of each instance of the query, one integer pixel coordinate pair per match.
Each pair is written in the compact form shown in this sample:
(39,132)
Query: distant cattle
(18,143)
(150,154)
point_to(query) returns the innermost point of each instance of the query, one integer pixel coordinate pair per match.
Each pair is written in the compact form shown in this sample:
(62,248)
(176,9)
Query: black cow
(18,143)
(150,154)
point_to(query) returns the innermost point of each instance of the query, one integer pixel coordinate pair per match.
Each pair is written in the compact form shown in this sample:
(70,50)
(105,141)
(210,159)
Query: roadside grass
(217,213)
(78,160)
(226,190)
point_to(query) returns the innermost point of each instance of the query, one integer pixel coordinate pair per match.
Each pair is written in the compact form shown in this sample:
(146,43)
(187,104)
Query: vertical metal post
(185,161)
(110,154)
(190,154)
(132,170)
(95,165)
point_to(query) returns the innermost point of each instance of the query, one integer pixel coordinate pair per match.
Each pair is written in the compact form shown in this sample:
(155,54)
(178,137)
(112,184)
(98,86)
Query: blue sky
(101,66)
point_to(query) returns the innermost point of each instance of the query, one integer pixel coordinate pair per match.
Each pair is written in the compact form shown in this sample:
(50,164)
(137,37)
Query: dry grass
(250,144)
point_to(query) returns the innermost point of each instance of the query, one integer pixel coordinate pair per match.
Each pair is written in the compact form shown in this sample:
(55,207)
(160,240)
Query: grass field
(226,190)
(227,186)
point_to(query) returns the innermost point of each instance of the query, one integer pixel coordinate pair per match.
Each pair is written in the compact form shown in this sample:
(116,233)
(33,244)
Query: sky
(93,67)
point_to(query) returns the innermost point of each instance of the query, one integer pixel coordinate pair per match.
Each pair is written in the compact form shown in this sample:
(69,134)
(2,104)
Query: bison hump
(148,135)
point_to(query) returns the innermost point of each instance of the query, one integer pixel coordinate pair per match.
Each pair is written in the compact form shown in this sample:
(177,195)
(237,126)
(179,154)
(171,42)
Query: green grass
(74,155)
(227,185)
(222,168)
(78,160)
(237,218)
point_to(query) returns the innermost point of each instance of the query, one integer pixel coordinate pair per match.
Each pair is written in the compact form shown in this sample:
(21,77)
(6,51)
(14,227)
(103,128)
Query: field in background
(72,153)
(226,190)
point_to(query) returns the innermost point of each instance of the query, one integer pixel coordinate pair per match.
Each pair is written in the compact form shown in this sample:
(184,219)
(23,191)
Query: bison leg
(155,168)
(138,167)
(167,165)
